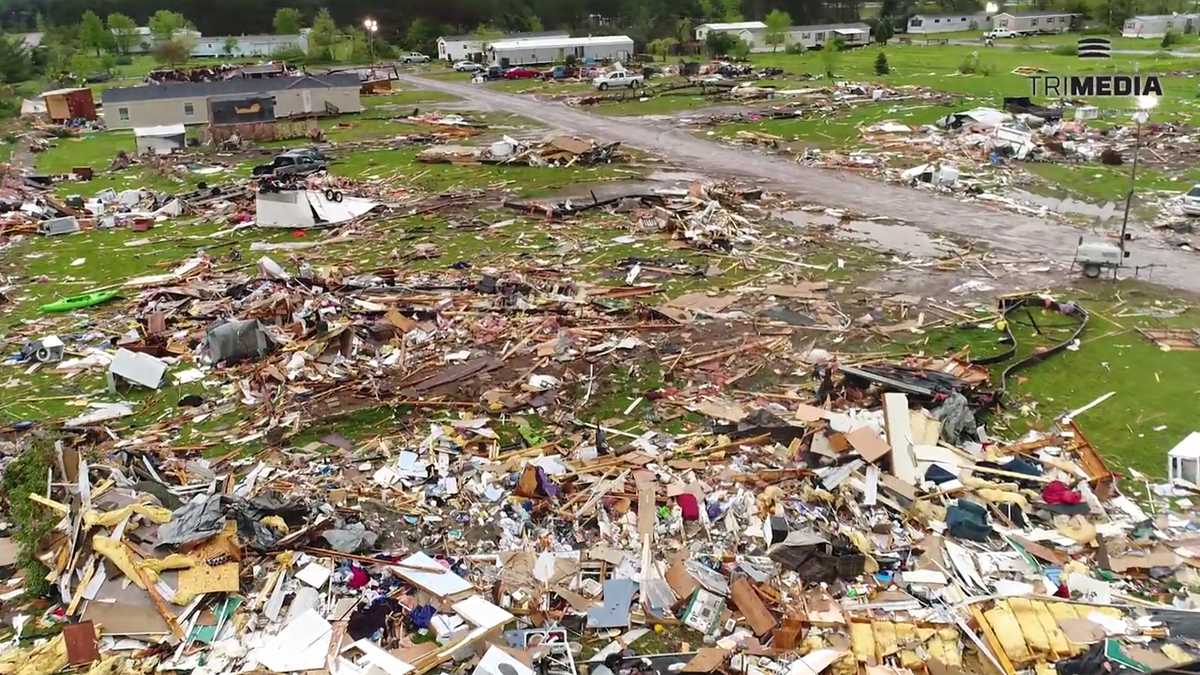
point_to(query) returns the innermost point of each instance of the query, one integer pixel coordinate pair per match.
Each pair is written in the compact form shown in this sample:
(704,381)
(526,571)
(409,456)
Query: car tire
(603,86)
(1091,271)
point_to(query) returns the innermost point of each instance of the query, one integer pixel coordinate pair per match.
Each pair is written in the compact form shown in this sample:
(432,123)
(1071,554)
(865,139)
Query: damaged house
(188,102)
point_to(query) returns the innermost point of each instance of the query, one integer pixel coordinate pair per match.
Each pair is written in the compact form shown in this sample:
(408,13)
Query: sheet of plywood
(751,606)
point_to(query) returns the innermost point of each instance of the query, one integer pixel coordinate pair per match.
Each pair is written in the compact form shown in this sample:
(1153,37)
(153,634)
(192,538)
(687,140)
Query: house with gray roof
(187,102)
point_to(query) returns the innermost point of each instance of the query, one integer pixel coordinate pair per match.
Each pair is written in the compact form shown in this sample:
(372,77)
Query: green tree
(683,30)
(286,21)
(708,8)
(731,10)
(230,47)
(93,34)
(718,43)
(323,36)
(831,54)
(663,47)
(165,23)
(175,51)
(881,29)
(124,31)
(422,36)
(15,62)
(740,49)
(778,22)
(881,64)
(486,32)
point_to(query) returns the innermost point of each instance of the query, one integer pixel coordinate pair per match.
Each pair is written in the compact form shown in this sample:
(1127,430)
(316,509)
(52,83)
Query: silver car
(414,57)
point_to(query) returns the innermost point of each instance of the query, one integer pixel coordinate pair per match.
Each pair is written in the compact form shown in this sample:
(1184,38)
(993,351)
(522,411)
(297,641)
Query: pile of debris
(874,527)
(555,151)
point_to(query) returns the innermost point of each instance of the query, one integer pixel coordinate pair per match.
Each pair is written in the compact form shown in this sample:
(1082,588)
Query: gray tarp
(197,520)
(237,340)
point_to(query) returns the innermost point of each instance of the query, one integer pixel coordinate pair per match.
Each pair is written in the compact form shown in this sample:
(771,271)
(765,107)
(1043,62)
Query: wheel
(603,86)
(1091,271)
(633,85)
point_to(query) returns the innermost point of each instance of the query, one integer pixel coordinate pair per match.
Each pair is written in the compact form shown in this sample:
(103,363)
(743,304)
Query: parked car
(413,57)
(494,73)
(560,73)
(521,73)
(1001,33)
(298,162)
(468,66)
(1191,201)
(618,78)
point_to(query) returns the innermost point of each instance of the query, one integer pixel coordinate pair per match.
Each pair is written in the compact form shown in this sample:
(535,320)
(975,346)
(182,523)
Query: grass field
(1153,408)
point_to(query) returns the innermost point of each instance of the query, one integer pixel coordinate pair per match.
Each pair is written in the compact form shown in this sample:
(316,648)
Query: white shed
(160,140)
(1184,460)
(532,51)
(1156,26)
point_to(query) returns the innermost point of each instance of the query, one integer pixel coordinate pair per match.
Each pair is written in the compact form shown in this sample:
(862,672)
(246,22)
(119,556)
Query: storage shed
(160,140)
(531,51)
(70,104)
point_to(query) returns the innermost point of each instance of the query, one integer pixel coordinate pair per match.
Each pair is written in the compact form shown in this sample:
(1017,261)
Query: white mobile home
(532,51)
(851,34)
(752,33)
(160,140)
(1159,25)
(249,45)
(920,24)
(453,48)
(1034,22)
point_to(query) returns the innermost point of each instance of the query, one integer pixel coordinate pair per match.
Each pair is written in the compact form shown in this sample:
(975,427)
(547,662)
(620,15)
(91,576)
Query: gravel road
(1003,231)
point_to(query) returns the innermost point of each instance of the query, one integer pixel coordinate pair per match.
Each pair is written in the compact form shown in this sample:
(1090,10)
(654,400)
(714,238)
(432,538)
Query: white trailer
(535,51)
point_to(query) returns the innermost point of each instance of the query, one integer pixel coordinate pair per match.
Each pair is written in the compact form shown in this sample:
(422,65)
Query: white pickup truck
(618,78)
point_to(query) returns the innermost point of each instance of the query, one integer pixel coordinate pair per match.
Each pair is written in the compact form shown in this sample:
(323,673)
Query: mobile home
(1157,26)
(811,37)
(1035,22)
(188,102)
(752,33)
(453,48)
(920,24)
(533,51)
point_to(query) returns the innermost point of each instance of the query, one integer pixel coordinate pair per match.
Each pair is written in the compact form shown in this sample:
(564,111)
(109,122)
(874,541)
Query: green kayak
(79,301)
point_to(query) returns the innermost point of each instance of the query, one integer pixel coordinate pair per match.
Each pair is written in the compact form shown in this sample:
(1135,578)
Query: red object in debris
(1057,492)
(297,233)
(358,577)
(688,504)
(141,224)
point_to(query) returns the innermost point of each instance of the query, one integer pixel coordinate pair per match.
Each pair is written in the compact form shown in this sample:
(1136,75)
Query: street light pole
(371,25)
(1144,104)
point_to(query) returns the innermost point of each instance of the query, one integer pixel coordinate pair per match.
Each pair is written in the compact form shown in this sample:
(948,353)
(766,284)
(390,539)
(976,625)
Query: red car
(520,73)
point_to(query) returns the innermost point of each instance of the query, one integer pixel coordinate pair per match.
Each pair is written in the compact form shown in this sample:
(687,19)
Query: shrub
(1171,38)
(1066,50)
(31,521)
(795,48)
(972,65)
(881,64)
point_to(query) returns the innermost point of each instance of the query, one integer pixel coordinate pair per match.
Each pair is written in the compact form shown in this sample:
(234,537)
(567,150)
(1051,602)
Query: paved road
(1014,44)
(1002,230)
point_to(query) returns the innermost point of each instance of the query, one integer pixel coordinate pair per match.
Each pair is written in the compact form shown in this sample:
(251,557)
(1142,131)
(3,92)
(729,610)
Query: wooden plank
(899,434)
(751,606)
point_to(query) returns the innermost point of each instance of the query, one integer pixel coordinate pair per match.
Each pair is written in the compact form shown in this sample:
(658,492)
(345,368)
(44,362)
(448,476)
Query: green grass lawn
(1156,391)
(843,130)
(937,67)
